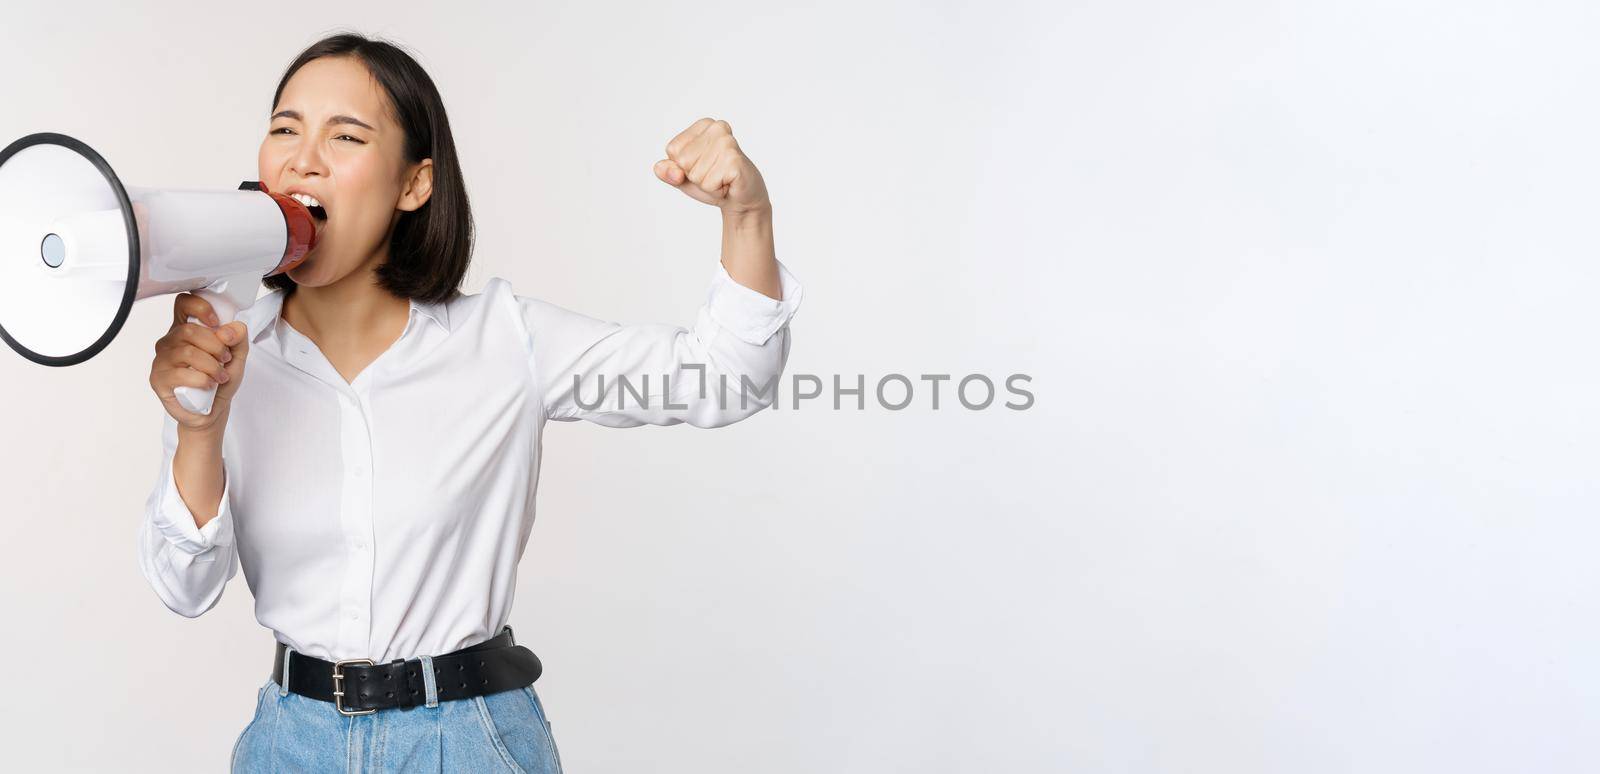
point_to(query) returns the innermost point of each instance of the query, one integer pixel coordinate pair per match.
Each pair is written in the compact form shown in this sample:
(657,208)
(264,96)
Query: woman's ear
(418,187)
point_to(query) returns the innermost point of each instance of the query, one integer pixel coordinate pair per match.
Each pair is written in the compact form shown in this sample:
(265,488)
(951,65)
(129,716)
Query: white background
(1307,291)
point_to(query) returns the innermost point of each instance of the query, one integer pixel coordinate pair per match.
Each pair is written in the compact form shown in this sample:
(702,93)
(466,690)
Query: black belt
(360,687)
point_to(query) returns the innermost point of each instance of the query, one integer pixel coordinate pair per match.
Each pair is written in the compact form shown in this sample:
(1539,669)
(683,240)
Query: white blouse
(384,518)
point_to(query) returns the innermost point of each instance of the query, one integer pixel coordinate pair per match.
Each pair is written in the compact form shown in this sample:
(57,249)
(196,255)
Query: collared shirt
(384,517)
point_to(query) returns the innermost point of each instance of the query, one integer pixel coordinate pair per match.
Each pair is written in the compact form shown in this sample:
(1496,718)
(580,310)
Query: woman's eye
(286,130)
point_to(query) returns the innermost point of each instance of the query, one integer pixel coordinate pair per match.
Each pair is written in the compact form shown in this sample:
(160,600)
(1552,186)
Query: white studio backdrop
(1305,290)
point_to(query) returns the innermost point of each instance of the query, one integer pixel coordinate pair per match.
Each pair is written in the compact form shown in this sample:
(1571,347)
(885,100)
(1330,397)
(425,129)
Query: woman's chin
(306,273)
(314,271)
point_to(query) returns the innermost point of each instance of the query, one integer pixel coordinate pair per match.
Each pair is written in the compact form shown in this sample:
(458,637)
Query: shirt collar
(262,316)
(439,313)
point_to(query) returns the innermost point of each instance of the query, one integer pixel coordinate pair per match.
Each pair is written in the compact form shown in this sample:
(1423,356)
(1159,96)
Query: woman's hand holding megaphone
(199,356)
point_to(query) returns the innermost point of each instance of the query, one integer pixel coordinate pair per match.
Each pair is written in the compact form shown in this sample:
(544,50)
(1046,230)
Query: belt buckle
(338,686)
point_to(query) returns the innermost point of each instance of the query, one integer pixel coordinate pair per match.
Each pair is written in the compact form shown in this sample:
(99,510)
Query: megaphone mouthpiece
(302,225)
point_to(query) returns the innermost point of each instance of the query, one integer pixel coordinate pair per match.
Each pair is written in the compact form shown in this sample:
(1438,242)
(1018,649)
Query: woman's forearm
(748,252)
(197,469)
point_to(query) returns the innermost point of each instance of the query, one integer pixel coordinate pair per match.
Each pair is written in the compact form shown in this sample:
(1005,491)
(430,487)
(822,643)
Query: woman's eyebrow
(331,119)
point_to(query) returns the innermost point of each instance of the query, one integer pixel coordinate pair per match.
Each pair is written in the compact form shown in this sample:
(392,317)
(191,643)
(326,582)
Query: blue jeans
(504,731)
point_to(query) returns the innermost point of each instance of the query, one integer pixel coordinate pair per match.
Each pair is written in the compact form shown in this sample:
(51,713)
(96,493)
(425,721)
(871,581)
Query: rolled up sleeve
(187,565)
(748,314)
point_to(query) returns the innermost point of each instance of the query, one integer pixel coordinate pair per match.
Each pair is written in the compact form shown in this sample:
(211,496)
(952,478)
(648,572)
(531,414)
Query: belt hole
(363,677)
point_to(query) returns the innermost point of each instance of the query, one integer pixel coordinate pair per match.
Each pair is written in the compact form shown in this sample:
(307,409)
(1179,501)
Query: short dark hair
(432,245)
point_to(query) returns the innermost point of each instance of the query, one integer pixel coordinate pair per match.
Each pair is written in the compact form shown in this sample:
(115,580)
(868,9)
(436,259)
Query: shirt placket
(355,498)
(355,511)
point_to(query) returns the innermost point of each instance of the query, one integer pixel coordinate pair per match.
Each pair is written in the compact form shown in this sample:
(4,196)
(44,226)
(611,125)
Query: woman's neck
(353,313)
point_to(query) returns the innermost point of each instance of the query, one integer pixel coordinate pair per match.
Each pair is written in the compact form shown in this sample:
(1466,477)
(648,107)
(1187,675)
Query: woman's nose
(307,158)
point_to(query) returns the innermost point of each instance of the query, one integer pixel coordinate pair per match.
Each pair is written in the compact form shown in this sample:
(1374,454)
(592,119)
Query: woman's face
(332,136)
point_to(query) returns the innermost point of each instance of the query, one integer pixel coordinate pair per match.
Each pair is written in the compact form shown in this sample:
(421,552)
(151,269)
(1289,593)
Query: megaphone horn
(77,248)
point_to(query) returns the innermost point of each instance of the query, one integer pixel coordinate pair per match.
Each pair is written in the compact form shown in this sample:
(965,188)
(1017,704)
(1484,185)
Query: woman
(375,473)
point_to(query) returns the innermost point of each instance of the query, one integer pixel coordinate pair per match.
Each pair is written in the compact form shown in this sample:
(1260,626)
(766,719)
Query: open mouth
(317,210)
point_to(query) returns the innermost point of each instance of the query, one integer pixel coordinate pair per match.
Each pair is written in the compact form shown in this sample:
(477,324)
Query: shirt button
(359,471)
(354,615)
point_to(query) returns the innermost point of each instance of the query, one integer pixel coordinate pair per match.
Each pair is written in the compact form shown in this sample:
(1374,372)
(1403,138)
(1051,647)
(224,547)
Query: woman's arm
(187,554)
(723,368)
(748,253)
(197,470)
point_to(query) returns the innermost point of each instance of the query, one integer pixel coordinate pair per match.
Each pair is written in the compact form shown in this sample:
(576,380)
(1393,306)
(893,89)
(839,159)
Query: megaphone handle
(197,399)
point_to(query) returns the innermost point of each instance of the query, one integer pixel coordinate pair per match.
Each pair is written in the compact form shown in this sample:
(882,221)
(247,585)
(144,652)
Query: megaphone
(77,248)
